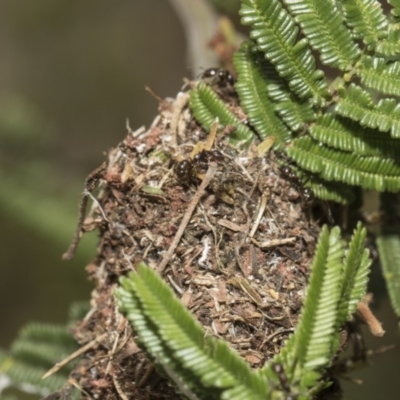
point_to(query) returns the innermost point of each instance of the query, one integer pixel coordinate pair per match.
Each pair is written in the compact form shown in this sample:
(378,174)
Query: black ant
(222,76)
(187,169)
(305,192)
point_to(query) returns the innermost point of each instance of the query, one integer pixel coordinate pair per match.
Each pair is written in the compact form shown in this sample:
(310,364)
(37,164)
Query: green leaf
(389,253)
(357,104)
(276,35)
(335,286)
(23,373)
(390,46)
(367,20)
(37,348)
(322,24)
(368,172)
(254,73)
(345,134)
(318,320)
(43,355)
(295,113)
(396,7)
(174,330)
(355,274)
(381,75)
(388,242)
(206,107)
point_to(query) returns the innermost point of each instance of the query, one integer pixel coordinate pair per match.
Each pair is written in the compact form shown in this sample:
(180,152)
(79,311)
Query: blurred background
(71,74)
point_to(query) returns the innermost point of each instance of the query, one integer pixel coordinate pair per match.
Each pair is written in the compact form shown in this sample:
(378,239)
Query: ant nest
(227,230)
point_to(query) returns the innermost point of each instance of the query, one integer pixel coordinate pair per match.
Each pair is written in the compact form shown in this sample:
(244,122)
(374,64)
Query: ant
(306,193)
(222,76)
(187,169)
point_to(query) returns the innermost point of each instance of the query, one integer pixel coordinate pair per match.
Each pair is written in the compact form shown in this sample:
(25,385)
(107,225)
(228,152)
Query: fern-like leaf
(389,253)
(376,73)
(368,172)
(367,20)
(254,73)
(37,348)
(276,35)
(206,107)
(331,191)
(44,355)
(322,24)
(47,333)
(175,329)
(357,104)
(319,315)
(388,242)
(355,274)
(347,135)
(390,46)
(335,286)
(396,8)
(23,373)
(294,113)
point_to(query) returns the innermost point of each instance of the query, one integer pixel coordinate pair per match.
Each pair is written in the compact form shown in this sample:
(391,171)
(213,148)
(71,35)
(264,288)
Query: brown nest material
(240,266)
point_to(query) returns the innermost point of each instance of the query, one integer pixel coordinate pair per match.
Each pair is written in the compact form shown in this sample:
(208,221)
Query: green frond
(322,24)
(149,339)
(309,349)
(367,20)
(295,114)
(368,172)
(207,106)
(376,73)
(318,319)
(336,284)
(355,274)
(24,373)
(388,241)
(389,253)
(357,104)
(331,191)
(254,73)
(41,354)
(390,46)
(396,7)
(174,329)
(347,135)
(276,35)
(47,333)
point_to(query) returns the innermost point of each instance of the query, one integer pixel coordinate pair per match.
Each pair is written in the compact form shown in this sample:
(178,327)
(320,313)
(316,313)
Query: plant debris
(240,263)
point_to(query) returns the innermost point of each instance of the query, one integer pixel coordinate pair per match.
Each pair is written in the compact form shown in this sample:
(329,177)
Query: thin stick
(373,324)
(72,356)
(119,389)
(274,242)
(259,215)
(188,214)
(90,184)
(179,104)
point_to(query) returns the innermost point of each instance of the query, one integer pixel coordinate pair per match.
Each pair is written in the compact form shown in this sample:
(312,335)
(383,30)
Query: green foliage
(371,172)
(366,20)
(36,350)
(388,242)
(337,282)
(255,74)
(171,336)
(346,132)
(207,107)
(207,367)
